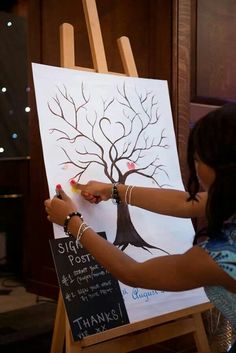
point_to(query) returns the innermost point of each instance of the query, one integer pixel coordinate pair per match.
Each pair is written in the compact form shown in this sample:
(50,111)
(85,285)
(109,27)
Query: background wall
(14,134)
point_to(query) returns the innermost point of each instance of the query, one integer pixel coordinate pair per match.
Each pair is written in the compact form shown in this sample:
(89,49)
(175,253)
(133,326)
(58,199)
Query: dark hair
(213,139)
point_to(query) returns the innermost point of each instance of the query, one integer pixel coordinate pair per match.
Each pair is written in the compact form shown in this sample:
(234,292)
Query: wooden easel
(147,332)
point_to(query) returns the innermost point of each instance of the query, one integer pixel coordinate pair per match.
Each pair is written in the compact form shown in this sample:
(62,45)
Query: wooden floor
(13,295)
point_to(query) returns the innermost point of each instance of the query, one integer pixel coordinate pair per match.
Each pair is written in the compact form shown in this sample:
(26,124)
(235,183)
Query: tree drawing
(121,148)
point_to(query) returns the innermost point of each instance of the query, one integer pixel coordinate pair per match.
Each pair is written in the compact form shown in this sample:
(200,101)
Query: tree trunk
(126,233)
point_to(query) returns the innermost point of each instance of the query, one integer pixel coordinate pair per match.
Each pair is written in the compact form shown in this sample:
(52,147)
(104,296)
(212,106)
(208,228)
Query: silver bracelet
(130,194)
(126,193)
(82,228)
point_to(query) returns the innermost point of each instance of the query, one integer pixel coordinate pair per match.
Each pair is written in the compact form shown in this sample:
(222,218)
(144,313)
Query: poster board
(113,117)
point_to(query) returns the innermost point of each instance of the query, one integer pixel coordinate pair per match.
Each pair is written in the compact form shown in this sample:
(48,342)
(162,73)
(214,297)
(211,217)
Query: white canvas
(102,127)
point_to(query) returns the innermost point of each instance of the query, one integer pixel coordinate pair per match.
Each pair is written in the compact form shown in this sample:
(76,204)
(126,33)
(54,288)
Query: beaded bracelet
(68,218)
(114,194)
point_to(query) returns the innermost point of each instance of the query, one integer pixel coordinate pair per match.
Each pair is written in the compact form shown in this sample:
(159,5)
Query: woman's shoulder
(225,238)
(222,248)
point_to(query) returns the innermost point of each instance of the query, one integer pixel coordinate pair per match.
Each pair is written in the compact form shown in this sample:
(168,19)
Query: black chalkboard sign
(92,297)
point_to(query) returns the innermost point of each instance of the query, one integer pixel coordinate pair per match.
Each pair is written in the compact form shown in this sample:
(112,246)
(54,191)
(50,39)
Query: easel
(147,332)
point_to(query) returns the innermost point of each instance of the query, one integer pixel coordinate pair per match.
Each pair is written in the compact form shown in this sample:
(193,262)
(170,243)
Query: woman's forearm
(120,265)
(164,201)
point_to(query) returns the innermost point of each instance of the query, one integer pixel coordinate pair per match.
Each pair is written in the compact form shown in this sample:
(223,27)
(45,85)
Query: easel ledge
(146,332)
(133,336)
(171,329)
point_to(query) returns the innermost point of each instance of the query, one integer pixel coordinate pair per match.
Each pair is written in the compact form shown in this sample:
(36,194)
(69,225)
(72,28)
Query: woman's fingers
(61,193)
(90,197)
(87,191)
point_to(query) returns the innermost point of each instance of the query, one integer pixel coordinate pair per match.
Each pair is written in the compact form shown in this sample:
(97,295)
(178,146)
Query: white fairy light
(27,109)
(14,135)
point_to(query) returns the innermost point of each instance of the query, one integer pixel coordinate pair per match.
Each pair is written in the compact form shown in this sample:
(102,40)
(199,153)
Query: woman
(212,264)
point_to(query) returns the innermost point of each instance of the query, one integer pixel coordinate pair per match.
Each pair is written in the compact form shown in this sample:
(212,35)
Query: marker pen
(58,187)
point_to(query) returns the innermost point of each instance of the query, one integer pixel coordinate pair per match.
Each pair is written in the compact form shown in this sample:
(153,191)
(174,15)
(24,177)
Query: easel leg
(71,346)
(200,335)
(58,337)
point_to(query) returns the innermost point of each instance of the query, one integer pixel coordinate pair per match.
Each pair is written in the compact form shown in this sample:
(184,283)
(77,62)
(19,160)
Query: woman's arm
(164,201)
(190,270)
(193,269)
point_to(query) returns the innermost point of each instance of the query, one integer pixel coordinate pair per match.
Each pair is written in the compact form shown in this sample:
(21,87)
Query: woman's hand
(94,191)
(59,208)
